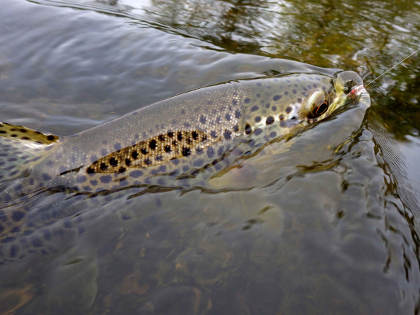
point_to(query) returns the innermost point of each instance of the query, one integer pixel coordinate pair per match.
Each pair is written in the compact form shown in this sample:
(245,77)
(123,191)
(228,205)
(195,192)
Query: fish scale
(179,142)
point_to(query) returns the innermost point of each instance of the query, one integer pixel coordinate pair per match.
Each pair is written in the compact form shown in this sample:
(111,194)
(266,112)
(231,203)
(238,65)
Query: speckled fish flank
(175,142)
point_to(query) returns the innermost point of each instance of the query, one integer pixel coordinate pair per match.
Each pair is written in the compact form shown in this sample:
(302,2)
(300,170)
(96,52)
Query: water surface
(326,223)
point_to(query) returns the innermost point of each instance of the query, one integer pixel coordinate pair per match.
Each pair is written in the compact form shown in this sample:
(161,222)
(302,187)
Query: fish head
(344,89)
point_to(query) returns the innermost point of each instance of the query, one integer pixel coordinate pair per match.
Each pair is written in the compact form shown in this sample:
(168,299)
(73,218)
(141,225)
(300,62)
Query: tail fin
(20,147)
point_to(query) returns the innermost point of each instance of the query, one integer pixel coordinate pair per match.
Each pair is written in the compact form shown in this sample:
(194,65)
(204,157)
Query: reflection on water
(326,223)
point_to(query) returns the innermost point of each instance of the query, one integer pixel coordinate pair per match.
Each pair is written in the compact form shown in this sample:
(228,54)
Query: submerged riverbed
(325,223)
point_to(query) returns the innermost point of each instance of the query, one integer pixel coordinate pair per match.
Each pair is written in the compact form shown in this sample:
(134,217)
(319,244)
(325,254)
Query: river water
(327,226)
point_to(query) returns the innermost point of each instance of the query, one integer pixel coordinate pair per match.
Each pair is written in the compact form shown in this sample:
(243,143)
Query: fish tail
(20,149)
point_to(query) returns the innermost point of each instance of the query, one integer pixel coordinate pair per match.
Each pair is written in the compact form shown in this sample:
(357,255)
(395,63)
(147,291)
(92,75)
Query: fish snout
(346,81)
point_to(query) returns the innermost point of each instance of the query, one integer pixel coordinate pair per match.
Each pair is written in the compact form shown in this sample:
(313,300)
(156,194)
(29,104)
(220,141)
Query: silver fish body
(189,136)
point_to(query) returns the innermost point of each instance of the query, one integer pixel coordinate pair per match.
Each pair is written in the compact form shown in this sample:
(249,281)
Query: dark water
(328,226)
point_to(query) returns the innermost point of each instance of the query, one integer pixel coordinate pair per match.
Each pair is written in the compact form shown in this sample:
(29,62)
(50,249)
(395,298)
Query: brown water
(325,224)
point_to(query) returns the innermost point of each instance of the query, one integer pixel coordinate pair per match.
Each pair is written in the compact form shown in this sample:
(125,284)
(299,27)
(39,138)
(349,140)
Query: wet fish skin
(179,142)
(187,135)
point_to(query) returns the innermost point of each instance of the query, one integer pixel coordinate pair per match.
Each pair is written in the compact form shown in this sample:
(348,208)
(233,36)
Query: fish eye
(318,110)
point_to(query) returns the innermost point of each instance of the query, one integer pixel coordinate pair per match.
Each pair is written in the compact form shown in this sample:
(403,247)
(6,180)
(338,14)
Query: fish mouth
(349,89)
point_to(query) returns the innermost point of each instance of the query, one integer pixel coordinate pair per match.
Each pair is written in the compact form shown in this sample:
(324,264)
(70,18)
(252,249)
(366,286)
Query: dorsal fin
(20,147)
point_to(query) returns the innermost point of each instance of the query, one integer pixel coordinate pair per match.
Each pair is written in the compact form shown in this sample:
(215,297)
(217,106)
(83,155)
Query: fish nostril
(348,86)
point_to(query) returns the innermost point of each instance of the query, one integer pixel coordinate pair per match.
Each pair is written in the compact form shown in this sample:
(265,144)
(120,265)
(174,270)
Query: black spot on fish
(281,117)
(147,161)
(188,140)
(113,162)
(94,182)
(210,152)
(247,100)
(274,108)
(202,119)
(227,116)
(269,120)
(186,151)
(254,108)
(170,134)
(127,162)
(236,128)
(81,179)
(237,114)
(105,179)
(13,135)
(122,169)
(158,158)
(276,97)
(134,155)
(18,215)
(257,131)
(220,150)
(162,168)
(50,137)
(161,138)
(152,144)
(143,151)
(288,109)
(248,129)
(213,134)
(167,148)
(103,166)
(136,173)
(203,138)
(257,119)
(283,123)
(227,134)
(273,134)
(194,135)
(179,136)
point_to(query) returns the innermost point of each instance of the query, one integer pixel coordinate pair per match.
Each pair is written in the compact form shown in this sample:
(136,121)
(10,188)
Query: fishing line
(413,53)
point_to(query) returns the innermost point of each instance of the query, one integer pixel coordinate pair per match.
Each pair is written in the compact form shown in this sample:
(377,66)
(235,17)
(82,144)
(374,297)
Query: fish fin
(17,132)
(20,148)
